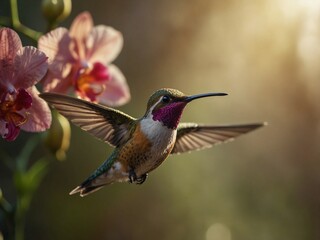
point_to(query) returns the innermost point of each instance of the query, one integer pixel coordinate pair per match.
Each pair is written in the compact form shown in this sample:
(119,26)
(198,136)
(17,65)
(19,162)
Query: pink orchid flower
(20,69)
(80,59)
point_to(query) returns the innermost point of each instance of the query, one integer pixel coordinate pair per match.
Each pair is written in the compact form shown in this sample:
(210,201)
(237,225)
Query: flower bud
(56,10)
(58,138)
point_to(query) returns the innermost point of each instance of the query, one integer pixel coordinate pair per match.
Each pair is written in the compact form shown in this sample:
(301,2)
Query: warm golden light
(307,3)
(266,55)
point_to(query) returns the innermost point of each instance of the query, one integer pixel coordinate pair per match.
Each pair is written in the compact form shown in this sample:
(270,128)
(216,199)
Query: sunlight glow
(293,9)
(218,231)
(308,3)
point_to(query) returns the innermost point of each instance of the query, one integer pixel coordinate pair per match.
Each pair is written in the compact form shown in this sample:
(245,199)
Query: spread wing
(191,136)
(107,124)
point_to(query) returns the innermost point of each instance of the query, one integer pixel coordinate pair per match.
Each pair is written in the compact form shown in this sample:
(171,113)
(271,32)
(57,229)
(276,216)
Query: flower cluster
(76,61)
(80,60)
(20,69)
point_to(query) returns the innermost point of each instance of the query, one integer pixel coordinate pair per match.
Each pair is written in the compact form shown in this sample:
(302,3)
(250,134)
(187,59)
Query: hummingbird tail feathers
(91,185)
(85,190)
(76,190)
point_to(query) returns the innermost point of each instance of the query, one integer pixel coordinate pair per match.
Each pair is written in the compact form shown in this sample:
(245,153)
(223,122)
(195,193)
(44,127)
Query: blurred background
(265,185)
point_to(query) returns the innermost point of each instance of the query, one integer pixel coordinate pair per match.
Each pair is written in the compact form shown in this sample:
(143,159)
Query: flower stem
(14,12)
(18,26)
(26,151)
(19,224)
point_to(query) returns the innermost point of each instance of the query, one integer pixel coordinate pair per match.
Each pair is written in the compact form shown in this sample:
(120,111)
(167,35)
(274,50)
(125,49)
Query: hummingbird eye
(165,99)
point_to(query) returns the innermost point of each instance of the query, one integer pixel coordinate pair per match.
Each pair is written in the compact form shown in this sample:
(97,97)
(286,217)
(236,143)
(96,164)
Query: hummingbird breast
(149,146)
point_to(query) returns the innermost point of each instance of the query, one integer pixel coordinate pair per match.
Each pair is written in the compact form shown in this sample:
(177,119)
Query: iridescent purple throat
(169,115)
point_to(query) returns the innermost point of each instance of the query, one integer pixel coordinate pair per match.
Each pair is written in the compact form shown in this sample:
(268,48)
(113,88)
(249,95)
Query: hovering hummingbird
(141,145)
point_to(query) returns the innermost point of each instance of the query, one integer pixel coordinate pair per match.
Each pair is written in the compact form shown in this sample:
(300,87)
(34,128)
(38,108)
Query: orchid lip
(193,97)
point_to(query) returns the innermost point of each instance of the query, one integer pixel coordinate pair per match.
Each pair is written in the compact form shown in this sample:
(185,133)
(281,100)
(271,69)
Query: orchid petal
(58,84)
(55,45)
(104,44)
(10,43)
(79,31)
(30,66)
(81,26)
(39,114)
(116,89)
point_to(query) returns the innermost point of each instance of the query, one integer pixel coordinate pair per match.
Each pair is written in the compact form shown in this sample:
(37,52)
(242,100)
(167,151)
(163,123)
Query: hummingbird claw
(141,179)
(132,176)
(137,180)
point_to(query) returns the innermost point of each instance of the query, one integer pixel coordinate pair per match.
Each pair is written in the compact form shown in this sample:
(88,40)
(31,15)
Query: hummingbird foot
(137,180)
(141,179)
(132,176)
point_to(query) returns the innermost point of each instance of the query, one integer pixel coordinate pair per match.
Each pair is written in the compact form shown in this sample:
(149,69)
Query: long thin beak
(193,97)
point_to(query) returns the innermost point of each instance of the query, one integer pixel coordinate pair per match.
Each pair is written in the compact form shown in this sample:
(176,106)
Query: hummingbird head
(166,105)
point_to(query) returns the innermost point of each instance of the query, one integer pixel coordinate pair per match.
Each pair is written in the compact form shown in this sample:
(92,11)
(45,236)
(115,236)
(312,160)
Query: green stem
(17,25)
(14,12)
(26,152)
(19,221)
(24,197)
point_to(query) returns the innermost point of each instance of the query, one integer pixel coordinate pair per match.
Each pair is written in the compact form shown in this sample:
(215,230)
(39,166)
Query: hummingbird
(141,144)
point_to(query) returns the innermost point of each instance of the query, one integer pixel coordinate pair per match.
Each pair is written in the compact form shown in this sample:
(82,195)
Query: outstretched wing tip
(192,136)
(256,125)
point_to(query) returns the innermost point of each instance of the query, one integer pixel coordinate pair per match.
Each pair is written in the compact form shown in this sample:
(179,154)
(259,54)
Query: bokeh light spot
(218,231)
